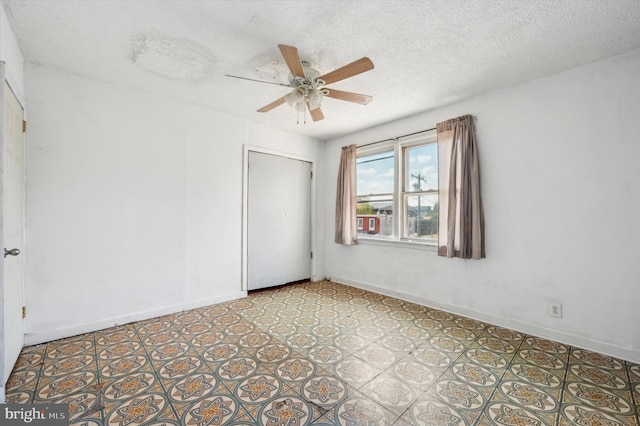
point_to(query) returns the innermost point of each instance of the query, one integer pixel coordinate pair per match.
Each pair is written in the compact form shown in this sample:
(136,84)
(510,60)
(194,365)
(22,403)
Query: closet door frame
(245,200)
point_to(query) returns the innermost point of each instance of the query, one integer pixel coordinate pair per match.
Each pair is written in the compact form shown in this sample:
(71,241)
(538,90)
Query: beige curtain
(346,222)
(461,216)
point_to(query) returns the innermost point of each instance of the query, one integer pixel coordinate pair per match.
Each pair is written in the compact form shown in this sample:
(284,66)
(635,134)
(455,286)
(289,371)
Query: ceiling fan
(309,86)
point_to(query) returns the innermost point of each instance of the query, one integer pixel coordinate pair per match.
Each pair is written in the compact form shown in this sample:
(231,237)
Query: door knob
(12,252)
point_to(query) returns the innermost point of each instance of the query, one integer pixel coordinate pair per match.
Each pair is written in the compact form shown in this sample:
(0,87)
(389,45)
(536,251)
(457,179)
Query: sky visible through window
(375,173)
(422,173)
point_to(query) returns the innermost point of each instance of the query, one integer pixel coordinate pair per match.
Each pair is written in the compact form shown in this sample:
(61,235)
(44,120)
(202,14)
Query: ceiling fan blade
(291,57)
(272,105)
(348,96)
(354,68)
(316,114)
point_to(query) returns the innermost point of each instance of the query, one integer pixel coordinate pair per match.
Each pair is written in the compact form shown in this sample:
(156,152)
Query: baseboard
(558,336)
(34,338)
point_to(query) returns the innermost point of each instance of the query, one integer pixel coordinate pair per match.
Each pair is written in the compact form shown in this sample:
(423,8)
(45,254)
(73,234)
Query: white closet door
(12,283)
(279,220)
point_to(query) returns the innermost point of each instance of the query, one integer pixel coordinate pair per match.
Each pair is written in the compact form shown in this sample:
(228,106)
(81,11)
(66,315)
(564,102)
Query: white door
(11,283)
(279,220)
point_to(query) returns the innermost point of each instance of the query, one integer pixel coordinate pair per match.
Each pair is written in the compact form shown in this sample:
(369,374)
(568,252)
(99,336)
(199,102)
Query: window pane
(422,168)
(375,180)
(375,173)
(421,217)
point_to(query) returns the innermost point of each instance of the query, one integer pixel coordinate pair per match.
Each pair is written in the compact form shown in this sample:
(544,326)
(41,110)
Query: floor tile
(358,409)
(377,356)
(391,392)
(355,371)
(428,410)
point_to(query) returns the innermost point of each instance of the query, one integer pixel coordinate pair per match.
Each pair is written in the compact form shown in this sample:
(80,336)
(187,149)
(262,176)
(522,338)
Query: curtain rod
(396,138)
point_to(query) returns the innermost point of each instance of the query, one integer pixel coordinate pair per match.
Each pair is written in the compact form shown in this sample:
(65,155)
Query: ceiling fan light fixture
(295,97)
(315,99)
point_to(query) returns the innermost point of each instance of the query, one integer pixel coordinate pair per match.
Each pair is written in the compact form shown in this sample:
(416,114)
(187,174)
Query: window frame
(400,146)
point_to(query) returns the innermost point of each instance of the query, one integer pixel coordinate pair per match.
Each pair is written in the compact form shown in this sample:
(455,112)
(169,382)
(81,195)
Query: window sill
(412,244)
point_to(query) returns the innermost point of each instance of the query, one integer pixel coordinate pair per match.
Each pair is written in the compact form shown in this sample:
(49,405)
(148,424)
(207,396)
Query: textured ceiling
(426,53)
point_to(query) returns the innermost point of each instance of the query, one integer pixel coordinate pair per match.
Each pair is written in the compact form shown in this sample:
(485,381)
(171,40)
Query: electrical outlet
(554,309)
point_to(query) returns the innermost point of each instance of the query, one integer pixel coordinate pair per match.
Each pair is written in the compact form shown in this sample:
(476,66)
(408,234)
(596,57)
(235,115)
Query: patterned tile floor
(324,354)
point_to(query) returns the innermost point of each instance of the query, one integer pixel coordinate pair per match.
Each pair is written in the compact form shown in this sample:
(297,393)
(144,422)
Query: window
(397,189)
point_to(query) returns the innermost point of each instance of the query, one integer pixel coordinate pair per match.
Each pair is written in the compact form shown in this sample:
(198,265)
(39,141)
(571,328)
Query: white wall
(134,203)
(561,186)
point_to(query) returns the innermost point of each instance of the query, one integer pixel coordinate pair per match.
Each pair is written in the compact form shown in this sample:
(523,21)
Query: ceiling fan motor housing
(310,74)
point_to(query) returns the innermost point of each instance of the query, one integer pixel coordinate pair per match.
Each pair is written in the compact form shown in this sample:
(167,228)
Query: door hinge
(311,175)
(24,126)
(312,255)
(24,312)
